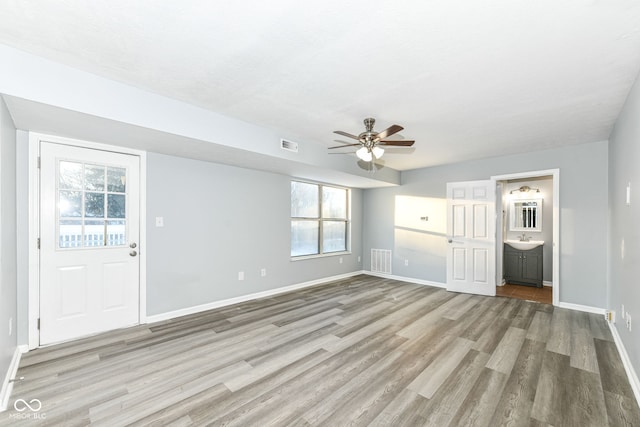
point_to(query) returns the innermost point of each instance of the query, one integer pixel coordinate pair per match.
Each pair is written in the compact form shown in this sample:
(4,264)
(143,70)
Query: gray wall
(8,287)
(583,217)
(219,220)
(624,254)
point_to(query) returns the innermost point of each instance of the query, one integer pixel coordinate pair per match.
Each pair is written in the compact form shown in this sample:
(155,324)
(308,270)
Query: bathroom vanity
(523,266)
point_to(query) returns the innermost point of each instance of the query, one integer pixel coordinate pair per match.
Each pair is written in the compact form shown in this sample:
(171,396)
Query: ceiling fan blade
(403,143)
(348,135)
(389,131)
(344,146)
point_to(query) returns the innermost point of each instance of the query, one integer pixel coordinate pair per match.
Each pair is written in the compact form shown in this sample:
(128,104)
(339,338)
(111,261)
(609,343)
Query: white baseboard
(243,298)
(578,307)
(7,384)
(568,305)
(407,279)
(628,367)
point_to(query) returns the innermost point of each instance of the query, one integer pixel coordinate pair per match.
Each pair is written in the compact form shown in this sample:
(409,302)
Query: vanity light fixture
(525,189)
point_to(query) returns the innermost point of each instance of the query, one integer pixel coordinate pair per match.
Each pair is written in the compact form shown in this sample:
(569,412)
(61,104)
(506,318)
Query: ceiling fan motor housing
(369,137)
(368,124)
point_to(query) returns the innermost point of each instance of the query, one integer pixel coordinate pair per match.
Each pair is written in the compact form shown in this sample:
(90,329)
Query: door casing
(555,173)
(34,228)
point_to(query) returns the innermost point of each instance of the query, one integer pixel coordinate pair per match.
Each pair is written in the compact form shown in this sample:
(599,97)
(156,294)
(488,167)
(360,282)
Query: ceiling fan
(371,142)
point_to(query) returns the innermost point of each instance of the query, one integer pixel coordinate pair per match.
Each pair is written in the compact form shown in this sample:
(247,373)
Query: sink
(524,246)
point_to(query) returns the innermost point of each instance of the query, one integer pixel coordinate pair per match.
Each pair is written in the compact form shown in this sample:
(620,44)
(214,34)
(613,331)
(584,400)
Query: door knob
(133,245)
(133,253)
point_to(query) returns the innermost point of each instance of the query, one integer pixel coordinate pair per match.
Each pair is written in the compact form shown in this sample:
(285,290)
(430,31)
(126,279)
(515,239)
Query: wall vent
(381,261)
(289,145)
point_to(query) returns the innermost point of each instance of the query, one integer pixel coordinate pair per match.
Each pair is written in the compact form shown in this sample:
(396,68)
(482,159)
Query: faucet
(523,238)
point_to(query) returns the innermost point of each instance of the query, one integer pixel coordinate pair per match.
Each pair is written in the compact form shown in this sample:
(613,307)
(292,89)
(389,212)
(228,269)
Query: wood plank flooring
(362,351)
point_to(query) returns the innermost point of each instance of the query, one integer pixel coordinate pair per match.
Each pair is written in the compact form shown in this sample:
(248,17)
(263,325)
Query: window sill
(305,257)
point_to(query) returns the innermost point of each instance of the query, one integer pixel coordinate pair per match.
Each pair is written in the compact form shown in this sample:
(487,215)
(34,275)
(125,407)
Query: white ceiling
(467,79)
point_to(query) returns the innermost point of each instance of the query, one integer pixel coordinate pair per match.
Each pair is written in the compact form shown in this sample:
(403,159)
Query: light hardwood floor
(363,351)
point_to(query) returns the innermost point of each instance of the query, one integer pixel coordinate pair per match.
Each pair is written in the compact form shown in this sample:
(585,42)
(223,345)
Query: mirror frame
(512,215)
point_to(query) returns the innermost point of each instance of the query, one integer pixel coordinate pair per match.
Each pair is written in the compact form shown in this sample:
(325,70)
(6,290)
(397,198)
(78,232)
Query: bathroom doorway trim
(555,173)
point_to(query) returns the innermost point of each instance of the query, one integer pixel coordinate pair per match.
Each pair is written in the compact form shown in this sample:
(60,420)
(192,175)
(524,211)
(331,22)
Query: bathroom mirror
(526,215)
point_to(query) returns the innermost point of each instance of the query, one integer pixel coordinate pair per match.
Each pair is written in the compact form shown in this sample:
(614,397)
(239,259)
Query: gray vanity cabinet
(523,267)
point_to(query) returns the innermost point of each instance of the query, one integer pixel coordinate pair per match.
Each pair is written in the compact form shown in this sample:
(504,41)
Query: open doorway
(527,236)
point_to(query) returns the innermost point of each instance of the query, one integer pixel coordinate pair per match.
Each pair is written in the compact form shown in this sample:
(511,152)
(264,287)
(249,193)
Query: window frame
(321,219)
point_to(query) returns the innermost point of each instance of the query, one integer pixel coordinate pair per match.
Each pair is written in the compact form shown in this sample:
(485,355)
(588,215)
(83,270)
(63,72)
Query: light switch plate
(629,194)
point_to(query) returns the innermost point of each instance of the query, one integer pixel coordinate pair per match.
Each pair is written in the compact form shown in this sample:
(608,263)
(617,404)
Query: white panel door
(471,229)
(89,229)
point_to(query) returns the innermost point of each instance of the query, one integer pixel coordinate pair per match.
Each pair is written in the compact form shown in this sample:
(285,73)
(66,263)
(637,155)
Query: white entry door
(471,224)
(89,230)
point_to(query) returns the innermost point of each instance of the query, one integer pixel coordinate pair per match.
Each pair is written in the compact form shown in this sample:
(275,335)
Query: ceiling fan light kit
(370,140)
(368,154)
(364,154)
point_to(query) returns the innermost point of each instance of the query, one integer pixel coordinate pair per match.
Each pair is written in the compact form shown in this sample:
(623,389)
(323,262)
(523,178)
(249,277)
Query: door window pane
(70,203)
(304,238)
(70,234)
(94,205)
(334,236)
(116,205)
(94,178)
(304,200)
(70,175)
(116,180)
(116,233)
(93,233)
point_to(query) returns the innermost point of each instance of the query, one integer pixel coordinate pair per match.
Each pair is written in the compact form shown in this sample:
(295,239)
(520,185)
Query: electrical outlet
(10,326)
(263,272)
(406,263)
(240,275)
(359,258)
(340,261)
(629,322)
(610,316)
(159,221)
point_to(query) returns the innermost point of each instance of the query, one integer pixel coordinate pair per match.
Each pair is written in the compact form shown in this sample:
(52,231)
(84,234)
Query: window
(319,219)
(91,202)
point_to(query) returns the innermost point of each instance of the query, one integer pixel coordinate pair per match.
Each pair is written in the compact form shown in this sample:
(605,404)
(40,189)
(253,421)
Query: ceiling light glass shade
(364,154)
(377,152)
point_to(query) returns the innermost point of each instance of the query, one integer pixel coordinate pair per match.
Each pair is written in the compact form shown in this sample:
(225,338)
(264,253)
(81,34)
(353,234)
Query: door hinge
(38,243)
(38,323)
(38,162)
